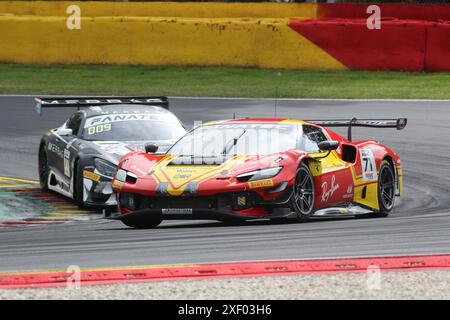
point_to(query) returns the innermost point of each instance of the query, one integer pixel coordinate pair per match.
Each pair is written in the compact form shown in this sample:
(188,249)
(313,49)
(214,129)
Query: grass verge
(219,81)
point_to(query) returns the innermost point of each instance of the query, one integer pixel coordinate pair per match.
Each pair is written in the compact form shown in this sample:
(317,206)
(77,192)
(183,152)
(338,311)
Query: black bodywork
(82,169)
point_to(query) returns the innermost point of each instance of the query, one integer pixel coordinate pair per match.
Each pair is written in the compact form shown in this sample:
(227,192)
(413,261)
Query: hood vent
(198,160)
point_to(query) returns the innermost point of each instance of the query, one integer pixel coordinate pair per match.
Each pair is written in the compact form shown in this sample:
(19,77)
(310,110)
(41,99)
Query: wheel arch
(397,177)
(304,159)
(389,159)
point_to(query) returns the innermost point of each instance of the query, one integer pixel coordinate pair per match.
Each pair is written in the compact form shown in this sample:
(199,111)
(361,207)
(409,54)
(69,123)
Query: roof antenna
(276,102)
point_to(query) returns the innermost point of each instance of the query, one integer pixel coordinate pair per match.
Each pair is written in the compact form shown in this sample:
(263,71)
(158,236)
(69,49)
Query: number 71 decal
(369,167)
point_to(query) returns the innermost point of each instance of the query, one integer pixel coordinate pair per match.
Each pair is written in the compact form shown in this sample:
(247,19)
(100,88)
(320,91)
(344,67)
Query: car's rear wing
(78,102)
(398,123)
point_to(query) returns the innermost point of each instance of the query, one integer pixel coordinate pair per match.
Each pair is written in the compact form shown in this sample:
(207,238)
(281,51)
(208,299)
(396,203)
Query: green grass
(217,81)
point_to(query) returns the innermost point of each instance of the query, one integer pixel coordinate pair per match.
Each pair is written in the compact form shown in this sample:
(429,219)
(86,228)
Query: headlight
(125,176)
(259,174)
(104,167)
(121,175)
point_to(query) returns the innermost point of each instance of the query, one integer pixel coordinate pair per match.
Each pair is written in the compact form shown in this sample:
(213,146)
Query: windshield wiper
(230,144)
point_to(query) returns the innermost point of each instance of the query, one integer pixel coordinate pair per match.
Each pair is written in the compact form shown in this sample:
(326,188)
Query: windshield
(132,127)
(236,139)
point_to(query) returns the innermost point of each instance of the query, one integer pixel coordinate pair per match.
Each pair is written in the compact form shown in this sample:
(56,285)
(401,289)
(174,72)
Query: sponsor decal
(53,148)
(329,190)
(349,193)
(117,184)
(99,128)
(101,101)
(242,201)
(176,211)
(91,176)
(67,163)
(111,118)
(182,176)
(260,184)
(369,168)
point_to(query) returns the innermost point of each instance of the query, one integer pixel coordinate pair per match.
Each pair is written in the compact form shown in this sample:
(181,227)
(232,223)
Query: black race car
(79,158)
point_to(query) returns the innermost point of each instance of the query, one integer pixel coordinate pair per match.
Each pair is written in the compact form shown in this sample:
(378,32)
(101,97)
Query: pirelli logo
(260,184)
(91,176)
(117,184)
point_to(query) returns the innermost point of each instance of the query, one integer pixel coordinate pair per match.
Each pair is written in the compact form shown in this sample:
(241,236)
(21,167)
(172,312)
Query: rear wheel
(43,169)
(386,189)
(148,222)
(302,201)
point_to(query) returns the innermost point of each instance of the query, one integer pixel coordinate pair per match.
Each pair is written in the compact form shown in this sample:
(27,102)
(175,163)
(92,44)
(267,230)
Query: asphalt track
(420,223)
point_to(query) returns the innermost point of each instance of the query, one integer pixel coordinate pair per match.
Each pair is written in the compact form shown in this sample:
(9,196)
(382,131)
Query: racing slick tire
(149,222)
(43,169)
(386,189)
(78,188)
(302,201)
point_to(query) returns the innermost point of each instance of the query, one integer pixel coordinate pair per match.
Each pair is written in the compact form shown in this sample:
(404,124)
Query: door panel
(333,180)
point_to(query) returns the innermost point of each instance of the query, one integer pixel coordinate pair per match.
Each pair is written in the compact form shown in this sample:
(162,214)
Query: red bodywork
(337,179)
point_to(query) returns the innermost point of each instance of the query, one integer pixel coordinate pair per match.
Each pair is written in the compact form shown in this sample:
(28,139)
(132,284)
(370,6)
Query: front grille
(183,202)
(228,201)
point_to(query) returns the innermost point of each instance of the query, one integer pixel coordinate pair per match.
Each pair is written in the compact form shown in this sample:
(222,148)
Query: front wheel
(386,189)
(302,201)
(148,222)
(78,185)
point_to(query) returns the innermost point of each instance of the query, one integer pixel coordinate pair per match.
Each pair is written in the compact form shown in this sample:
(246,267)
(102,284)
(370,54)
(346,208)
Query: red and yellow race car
(260,168)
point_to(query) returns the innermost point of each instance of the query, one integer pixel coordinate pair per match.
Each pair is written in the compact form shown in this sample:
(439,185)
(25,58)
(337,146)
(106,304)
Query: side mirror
(151,148)
(328,145)
(64,132)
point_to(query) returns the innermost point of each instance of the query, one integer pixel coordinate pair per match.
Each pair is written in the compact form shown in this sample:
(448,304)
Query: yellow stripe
(13,185)
(74,211)
(18,180)
(65,206)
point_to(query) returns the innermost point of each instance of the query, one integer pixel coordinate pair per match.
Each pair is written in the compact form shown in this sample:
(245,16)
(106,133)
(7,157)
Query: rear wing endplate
(78,102)
(399,123)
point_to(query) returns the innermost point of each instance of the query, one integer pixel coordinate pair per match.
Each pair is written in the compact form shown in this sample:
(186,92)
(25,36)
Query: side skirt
(57,184)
